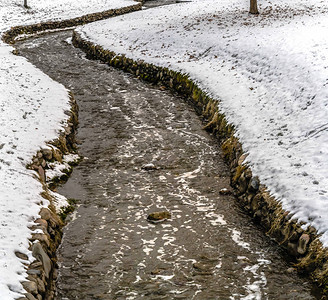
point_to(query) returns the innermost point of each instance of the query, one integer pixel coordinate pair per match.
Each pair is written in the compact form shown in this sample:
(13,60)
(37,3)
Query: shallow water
(209,249)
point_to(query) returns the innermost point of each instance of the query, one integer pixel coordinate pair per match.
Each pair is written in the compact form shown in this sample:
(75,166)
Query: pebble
(159,216)
(149,167)
(225,191)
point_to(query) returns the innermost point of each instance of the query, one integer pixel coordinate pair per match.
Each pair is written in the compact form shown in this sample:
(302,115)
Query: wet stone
(157,217)
(149,167)
(47,215)
(21,255)
(291,270)
(201,267)
(42,256)
(254,184)
(41,237)
(202,273)
(36,265)
(41,285)
(225,191)
(42,174)
(43,163)
(155,272)
(42,222)
(33,272)
(303,244)
(30,287)
(47,154)
(29,296)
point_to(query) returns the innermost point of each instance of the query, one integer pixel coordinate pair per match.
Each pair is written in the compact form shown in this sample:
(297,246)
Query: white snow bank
(13,13)
(32,109)
(31,113)
(270,73)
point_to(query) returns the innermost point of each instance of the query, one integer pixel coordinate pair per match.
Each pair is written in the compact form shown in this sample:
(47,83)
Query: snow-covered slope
(270,73)
(31,113)
(13,13)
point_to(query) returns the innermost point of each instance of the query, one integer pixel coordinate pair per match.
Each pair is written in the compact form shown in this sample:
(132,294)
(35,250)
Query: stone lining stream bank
(14,32)
(43,271)
(303,245)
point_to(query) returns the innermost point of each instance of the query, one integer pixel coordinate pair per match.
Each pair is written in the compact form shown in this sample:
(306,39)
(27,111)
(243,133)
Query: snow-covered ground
(269,71)
(31,112)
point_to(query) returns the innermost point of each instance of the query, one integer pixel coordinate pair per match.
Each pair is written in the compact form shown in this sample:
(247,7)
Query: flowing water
(144,150)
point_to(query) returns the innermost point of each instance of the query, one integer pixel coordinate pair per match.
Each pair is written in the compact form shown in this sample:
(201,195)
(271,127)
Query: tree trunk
(253,8)
(25,3)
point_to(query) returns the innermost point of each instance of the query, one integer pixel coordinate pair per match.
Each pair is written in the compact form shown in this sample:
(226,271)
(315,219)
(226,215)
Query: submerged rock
(159,216)
(225,191)
(202,267)
(149,167)
(155,272)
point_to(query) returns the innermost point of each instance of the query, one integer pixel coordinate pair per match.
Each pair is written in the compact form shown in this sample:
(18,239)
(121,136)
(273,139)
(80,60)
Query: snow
(13,13)
(270,73)
(31,113)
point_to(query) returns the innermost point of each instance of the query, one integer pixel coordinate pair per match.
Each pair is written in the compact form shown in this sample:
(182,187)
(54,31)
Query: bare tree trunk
(253,7)
(25,3)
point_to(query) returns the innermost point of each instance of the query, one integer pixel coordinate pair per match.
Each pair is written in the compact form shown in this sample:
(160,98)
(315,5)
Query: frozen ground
(269,71)
(31,113)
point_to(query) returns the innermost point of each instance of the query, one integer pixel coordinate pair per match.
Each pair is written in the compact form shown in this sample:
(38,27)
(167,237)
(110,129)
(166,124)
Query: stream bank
(52,165)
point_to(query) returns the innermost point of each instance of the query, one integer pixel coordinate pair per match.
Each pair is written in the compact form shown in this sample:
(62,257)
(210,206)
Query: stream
(144,151)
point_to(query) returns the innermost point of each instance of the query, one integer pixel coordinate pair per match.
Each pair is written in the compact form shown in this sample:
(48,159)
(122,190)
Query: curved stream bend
(208,250)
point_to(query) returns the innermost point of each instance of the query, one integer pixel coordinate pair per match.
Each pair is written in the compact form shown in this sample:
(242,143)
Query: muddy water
(207,250)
